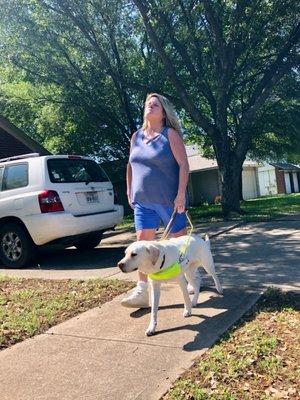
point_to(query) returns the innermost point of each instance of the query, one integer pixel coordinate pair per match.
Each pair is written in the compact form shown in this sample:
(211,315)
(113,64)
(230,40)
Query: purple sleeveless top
(155,171)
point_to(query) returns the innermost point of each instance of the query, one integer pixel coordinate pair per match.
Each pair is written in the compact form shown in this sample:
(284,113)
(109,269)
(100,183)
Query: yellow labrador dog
(163,261)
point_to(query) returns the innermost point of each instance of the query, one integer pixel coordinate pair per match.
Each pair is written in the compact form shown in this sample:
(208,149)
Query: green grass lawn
(256,360)
(260,209)
(31,306)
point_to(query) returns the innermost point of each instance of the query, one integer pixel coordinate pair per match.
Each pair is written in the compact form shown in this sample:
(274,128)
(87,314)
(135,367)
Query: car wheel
(89,242)
(16,247)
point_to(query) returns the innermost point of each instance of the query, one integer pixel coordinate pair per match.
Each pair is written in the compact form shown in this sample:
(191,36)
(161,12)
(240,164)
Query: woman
(157,177)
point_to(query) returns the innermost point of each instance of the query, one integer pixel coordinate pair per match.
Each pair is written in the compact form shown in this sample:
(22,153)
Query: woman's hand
(179,203)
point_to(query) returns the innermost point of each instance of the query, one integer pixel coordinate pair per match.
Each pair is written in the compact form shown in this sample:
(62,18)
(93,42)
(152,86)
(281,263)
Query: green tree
(221,63)
(83,54)
(276,127)
(224,59)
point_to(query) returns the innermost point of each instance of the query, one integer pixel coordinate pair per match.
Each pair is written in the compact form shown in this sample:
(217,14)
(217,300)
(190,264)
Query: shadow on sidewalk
(208,318)
(73,259)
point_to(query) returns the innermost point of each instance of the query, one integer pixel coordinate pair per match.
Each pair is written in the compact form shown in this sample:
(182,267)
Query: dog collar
(167,273)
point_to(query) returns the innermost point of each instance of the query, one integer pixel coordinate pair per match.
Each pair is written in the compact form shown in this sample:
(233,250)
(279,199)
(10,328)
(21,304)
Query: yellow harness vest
(168,273)
(175,269)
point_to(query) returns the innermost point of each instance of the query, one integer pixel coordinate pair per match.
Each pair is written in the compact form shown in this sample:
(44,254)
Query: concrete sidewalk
(104,354)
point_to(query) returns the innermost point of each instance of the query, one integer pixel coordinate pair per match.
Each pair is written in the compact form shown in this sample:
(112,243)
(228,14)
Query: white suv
(52,199)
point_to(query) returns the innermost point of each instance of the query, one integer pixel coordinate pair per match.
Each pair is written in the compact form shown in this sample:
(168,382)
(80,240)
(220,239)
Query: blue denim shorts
(150,216)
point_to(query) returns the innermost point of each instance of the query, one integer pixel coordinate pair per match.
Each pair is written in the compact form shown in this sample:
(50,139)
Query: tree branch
(203,87)
(271,76)
(195,113)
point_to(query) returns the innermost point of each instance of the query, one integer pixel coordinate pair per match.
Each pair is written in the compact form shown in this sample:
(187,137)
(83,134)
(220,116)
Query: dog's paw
(187,313)
(220,290)
(150,330)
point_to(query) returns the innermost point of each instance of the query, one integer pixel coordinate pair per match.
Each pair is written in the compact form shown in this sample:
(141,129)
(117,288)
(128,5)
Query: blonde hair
(170,116)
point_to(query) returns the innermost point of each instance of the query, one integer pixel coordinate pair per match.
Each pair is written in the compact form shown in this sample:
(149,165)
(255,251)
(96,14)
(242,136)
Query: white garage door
(287,182)
(249,184)
(267,182)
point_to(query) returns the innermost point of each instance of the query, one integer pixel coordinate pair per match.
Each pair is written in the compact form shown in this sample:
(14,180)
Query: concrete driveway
(100,262)
(253,254)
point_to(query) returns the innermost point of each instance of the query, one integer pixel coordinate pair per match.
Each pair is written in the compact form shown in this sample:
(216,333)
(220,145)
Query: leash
(168,228)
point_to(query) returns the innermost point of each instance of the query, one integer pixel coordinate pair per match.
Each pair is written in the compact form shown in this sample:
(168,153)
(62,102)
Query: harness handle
(168,228)
(169,225)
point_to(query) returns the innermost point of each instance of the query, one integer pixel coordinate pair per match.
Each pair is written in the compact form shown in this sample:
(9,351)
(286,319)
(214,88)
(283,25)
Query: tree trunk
(231,186)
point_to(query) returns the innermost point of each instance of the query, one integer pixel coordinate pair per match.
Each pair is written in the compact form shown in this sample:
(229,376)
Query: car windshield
(65,170)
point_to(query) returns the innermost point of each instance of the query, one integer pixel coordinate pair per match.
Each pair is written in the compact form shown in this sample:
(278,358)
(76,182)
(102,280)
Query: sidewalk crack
(113,340)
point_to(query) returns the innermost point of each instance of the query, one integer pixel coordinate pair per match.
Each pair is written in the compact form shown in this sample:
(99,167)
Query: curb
(228,229)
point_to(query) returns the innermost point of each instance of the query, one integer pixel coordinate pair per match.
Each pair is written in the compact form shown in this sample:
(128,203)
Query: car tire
(17,249)
(89,242)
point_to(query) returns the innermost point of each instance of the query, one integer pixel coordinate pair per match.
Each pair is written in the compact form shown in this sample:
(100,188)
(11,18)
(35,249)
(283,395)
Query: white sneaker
(198,278)
(137,298)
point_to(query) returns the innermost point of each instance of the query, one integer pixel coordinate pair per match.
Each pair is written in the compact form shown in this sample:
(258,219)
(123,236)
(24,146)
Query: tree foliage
(224,59)
(84,56)
(230,67)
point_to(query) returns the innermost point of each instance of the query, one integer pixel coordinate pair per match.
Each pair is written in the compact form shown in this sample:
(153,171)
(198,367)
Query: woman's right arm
(129,172)
(128,181)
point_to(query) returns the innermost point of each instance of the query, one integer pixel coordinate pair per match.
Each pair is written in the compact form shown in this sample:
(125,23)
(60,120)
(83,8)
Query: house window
(15,176)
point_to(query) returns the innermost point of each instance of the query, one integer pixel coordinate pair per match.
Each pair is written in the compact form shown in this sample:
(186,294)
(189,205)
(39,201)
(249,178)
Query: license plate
(92,197)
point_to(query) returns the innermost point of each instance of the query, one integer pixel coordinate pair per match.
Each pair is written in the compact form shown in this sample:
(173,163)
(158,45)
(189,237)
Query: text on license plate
(92,197)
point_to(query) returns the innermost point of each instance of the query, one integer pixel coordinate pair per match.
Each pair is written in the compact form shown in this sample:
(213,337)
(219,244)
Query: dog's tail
(207,240)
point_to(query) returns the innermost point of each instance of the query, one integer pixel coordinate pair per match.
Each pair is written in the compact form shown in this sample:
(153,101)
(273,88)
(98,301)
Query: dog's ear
(154,253)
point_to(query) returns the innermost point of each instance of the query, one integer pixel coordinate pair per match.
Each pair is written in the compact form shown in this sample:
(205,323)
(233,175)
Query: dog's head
(142,255)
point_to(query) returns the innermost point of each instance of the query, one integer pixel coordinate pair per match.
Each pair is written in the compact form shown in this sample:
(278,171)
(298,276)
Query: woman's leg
(183,232)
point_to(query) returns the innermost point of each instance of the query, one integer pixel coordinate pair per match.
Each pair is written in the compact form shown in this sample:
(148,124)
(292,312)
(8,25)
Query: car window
(15,176)
(1,176)
(65,170)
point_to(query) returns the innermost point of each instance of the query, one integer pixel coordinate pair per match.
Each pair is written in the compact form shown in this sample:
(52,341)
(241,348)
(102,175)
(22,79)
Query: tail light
(50,202)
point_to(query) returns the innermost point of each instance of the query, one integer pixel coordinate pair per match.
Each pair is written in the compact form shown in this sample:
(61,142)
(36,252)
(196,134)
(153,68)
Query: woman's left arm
(179,152)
